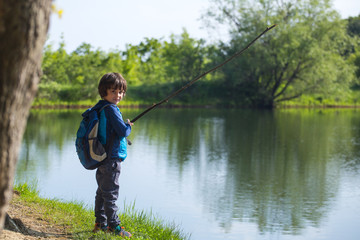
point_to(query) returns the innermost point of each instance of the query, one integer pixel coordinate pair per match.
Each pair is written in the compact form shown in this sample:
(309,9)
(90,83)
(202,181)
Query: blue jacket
(112,125)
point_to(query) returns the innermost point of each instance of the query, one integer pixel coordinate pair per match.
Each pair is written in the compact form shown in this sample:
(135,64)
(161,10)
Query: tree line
(312,54)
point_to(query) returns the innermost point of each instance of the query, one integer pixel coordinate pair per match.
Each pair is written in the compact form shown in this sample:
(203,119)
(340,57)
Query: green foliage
(153,69)
(75,76)
(354,58)
(354,26)
(184,57)
(311,52)
(303,54)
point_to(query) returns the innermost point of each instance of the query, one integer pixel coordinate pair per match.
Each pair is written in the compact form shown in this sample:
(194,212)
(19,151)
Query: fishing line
(200,76)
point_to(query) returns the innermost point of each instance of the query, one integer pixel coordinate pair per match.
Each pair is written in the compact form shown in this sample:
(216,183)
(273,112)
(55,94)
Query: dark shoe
(119,231)
(99,227)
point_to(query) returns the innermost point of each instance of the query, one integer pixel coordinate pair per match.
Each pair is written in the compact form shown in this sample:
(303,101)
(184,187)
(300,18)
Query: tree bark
(23,31)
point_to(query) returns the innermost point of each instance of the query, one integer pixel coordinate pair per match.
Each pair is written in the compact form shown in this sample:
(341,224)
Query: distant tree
(303,54)
(151,61)
(184,57)
(23,29)
(55,65)
(354,30)
(355,59)
(354,26)
(73,77)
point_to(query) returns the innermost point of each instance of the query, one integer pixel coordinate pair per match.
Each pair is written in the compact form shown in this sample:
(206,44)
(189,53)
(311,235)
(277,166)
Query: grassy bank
(349,100)
(121,105)
(77,221)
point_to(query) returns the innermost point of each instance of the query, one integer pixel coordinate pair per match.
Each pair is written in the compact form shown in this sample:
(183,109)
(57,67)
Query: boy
(112,134)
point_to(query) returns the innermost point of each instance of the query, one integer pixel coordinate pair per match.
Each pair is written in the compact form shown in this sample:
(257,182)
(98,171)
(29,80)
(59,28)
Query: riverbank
(125,104)
(305,102)
(39,218)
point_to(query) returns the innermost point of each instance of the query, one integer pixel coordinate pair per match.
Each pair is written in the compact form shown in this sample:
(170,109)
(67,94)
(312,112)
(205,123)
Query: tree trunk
(23,30)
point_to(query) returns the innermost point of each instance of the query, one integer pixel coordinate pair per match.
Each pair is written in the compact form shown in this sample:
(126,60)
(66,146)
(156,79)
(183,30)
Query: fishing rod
(200,76)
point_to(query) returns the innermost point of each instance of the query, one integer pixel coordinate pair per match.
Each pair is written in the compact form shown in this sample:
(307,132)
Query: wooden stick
(200,76)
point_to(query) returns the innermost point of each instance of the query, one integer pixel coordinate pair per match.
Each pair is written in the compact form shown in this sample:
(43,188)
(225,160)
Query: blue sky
(111,24)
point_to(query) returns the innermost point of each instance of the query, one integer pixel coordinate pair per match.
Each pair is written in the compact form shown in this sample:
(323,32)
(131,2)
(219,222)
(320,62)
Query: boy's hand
(130,123)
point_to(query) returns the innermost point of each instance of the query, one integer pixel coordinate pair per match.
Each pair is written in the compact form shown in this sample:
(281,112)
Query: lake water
(219,174)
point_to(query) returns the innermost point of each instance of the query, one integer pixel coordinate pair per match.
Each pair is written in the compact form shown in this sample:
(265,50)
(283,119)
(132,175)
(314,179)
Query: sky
(111,24)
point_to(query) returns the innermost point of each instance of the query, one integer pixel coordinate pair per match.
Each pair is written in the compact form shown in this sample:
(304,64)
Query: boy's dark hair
(111,80)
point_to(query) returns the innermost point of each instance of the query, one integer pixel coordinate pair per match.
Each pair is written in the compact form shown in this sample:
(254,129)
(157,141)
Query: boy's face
(114,95)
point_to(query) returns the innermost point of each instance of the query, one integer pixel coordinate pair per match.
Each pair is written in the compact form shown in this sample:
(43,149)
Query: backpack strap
(106,105)
(112,136)
(98,113)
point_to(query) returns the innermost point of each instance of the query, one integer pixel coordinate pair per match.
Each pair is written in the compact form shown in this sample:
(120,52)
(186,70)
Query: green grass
(350,100)
(79,220)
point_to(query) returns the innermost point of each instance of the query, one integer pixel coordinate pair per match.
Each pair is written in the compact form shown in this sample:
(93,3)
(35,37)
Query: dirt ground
(31,225)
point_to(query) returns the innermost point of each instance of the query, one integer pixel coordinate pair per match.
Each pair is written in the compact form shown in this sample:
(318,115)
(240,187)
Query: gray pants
(107,177)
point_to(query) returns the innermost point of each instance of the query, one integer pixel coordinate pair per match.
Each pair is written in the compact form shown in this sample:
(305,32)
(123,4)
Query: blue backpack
(88,147)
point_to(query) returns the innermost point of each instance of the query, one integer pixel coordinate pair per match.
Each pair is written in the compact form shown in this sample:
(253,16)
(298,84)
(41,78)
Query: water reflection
(271,168)
(280,170)
(46,133)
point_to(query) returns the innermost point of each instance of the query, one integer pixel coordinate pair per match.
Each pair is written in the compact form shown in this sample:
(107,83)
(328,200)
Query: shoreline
(35,217)
(144,106)
(133,106)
